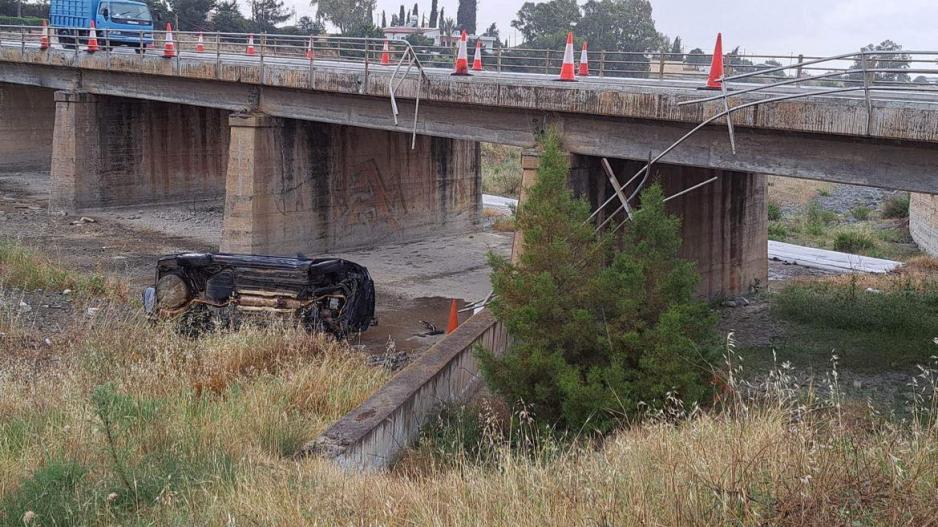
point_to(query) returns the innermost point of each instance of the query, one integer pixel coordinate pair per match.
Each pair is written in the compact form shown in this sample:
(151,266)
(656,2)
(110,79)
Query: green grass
(860,212)
(775,212)
(778,231)
(897,206)
(892,327)
(501,170)
(854,242)
(26,268)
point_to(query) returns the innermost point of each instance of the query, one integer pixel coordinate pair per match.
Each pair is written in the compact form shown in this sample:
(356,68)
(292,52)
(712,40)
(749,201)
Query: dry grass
(132,423)
(797,192)
(26,268)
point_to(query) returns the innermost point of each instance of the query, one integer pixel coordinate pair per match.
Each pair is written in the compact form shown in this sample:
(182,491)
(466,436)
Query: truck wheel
(65,38)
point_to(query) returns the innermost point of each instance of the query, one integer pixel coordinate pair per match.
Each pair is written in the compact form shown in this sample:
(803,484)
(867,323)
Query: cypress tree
(433,13)
(596,332)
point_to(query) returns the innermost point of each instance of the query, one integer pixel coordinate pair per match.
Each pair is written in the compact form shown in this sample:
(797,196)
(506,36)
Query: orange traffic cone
(386,53)
(716,66)
(462,57)
(309,49)
(92,39)
(566,70)
(477,59)
(200,45)
(453,318)
(584,63)
(44,36)
(169,47)
(250,51)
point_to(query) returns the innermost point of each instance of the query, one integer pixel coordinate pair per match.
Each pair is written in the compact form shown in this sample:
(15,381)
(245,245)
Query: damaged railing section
(374,435)
(869,71)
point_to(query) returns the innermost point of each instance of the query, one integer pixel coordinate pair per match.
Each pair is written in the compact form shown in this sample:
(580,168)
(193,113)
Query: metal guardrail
(870,69)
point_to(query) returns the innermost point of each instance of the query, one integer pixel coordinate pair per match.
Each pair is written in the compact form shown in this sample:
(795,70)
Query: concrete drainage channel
(372,436)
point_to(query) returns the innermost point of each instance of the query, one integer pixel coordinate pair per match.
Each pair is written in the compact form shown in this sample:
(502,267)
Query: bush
(896,207)
(596,333)
(816,219)
(501,170)
(778,231)
(854,242)
(860,213)
(775,212)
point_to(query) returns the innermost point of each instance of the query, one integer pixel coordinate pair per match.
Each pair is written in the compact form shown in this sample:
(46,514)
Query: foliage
(309,26)
(596,334)
(20,21)
(501,170)
(466,16)
(897,206)
(192,14)
(885,55)
(698,58)
(23,9)
(854,242)
(228,18)
(863,317)
(619,25)
(778,231)
(816,219)
(775,212)
(860,212)
(49,493)
(545,24)
(434,14)
(267,14)
(677,47)
(419,40)
(348,15)
(492,31)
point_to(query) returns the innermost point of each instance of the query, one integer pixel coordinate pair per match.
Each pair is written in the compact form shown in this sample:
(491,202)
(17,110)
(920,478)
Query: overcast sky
(811,27)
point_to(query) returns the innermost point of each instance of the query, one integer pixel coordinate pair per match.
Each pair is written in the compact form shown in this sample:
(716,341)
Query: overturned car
(202,290)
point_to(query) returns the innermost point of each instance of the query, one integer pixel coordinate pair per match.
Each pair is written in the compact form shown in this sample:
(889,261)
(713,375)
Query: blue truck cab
(117,22)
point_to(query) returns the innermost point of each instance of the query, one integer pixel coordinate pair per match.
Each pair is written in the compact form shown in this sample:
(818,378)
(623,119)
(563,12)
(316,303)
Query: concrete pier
(724,224)
(299,186)
(112,151)
(27,116)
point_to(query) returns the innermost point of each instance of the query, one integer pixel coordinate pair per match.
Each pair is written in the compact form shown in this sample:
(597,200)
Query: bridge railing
(875,70)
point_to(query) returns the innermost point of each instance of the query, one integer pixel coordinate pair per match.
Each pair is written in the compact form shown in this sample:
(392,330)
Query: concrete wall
(723,224)
(923,221)
(373,435)
(27,115)
(297,186)
(114,151)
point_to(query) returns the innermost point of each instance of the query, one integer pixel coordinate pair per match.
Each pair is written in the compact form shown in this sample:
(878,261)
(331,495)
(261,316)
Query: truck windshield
(124,11)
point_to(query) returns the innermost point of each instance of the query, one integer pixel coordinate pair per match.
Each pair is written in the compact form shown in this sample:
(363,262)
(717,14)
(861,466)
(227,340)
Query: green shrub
(775,212)
(896,207)
(20,21)
(50,493)
(854,242)
(596,333)
(778,231)
(816,219)
(860,213)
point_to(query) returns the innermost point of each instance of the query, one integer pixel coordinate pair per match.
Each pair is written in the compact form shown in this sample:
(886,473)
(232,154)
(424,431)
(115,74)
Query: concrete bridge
(309,157)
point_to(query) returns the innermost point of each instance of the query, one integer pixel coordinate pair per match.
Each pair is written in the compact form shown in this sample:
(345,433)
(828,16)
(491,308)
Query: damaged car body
(205,289)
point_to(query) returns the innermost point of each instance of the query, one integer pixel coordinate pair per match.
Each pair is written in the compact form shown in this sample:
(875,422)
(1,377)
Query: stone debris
(390,361)
(83,220)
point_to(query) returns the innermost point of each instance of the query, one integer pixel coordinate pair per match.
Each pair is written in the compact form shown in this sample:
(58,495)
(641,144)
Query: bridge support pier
(27,115)
(112,152)
(723,224)
(301,186)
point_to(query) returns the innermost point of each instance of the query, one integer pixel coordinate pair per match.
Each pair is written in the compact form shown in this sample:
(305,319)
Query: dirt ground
(414,281)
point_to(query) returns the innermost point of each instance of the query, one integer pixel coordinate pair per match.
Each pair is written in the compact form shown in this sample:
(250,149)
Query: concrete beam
(902,165)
